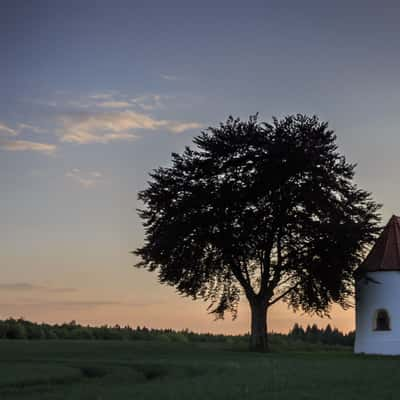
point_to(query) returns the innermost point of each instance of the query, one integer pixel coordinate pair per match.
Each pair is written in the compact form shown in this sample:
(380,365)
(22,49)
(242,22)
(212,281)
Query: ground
(155,370)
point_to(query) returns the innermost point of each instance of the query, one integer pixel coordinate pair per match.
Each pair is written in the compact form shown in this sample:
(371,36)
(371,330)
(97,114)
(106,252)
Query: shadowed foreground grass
(155,370)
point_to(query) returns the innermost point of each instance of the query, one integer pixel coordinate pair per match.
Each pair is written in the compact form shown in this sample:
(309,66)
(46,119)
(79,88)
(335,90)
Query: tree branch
(281,296)
(246,271)
(285,281)
(266,283)
(265,270)
(237,272)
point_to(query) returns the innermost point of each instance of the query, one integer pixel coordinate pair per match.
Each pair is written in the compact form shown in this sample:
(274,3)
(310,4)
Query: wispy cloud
(103,96)
(61,305)
(34,303)
(104,127)
(168,77)
(147,102)
(179,127)
(27,145)
(97,127)
(9,143)
(110,100)
(150,102)
(6,130)
(23,286)
(84,179)
(88,103)
(31,128)
(115,100)
(80,103)
(114,104)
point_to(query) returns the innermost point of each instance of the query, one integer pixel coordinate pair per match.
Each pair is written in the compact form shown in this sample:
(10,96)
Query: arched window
(382,321)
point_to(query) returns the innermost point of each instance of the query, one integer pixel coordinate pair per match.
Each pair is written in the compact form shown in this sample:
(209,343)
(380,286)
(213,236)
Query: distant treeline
(327,335)
(22,329)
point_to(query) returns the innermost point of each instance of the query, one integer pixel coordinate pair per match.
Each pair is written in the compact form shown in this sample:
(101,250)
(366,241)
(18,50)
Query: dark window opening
(382,321)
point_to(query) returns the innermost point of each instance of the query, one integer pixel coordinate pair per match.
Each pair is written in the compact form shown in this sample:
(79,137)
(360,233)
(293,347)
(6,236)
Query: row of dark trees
(22,329)
(327,335)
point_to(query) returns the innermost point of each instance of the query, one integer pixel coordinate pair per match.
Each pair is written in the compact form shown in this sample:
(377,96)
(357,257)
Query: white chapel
(378,295)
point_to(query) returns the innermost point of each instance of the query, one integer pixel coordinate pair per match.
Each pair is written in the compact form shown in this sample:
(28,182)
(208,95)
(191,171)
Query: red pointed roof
(385,255)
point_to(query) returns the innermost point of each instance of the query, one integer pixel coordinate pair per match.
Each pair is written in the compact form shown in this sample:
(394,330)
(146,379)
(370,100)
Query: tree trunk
(259,338)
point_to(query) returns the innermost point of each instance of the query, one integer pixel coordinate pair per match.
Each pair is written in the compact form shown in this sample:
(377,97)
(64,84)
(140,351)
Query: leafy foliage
(268,210)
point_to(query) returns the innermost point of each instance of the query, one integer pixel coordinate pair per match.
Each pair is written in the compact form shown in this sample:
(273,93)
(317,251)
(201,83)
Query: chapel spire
(385,255)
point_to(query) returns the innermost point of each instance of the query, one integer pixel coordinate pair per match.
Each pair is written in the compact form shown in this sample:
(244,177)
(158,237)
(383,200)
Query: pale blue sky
(94,94)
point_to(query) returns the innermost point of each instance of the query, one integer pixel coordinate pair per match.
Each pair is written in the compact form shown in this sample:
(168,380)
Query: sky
(96,94)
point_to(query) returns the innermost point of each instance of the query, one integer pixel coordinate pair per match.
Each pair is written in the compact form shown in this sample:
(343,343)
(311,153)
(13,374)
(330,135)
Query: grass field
(154,370)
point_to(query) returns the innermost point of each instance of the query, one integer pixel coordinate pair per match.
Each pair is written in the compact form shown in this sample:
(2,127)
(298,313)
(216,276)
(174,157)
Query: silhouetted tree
(268,210)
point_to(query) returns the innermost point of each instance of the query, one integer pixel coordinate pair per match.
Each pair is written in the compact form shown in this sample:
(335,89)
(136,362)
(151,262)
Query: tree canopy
(265,210)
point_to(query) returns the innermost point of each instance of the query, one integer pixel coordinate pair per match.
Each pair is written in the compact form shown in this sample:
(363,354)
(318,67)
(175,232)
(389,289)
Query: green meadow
(161,370)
